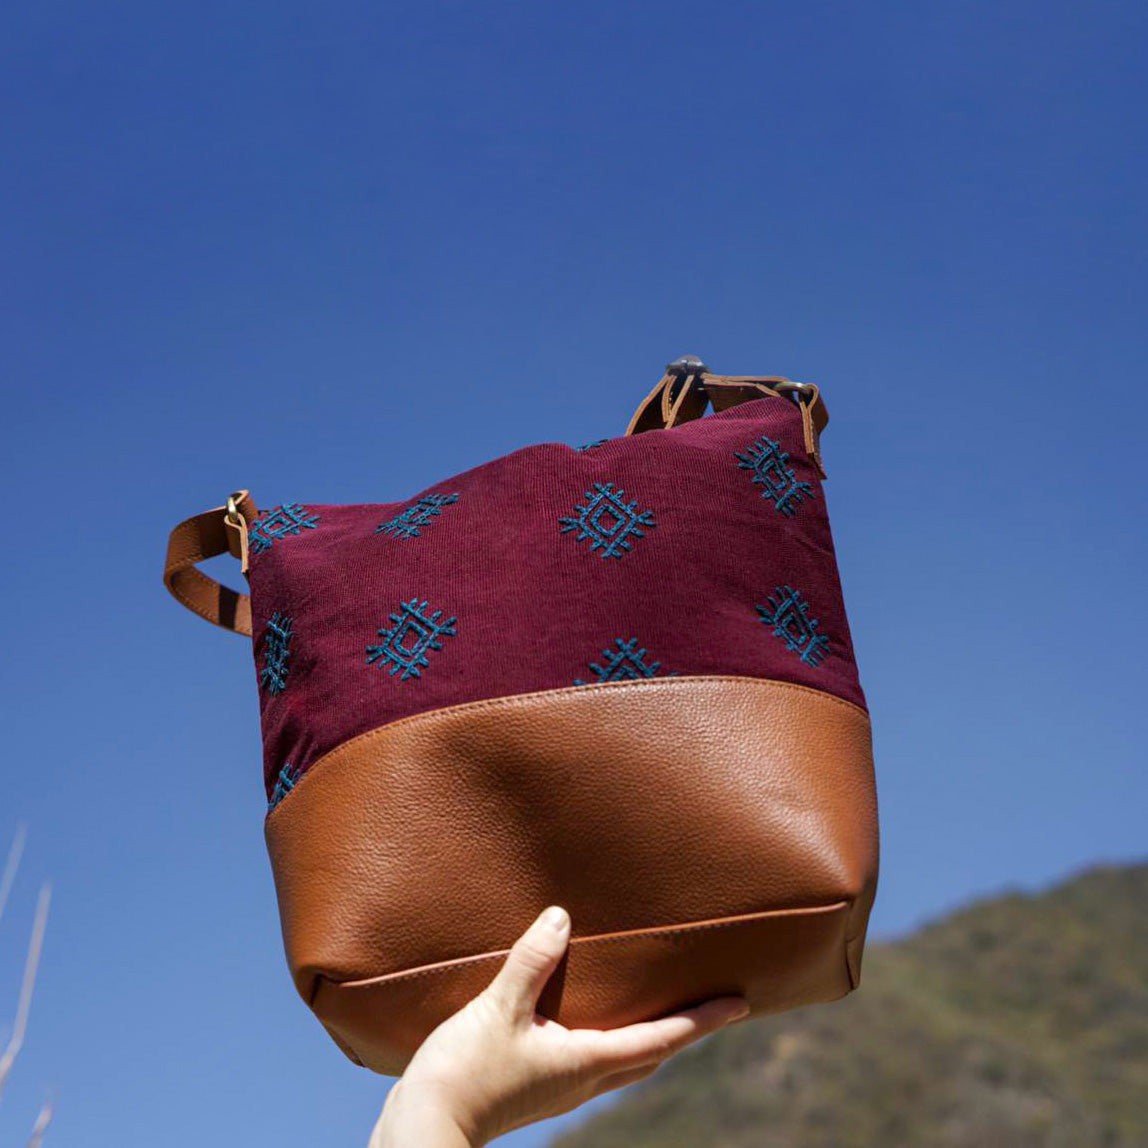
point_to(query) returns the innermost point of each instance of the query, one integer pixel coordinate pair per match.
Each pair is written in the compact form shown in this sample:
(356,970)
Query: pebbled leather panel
(777,960)
(639,805)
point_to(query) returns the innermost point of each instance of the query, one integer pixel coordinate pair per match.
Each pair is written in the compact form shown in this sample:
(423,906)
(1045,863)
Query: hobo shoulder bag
(616,677)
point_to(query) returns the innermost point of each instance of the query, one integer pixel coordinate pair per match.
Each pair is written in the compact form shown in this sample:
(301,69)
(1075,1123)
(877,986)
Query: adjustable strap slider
(814,416)
(236,528)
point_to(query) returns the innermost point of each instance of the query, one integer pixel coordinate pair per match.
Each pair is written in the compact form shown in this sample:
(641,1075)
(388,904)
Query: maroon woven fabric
(722,563)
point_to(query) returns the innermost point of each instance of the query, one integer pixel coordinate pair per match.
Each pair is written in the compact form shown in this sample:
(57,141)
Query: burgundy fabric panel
(536,606)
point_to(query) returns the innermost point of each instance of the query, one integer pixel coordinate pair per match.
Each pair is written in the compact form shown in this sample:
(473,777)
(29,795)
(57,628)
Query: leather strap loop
(662,408)
(814,412)
(658,411)
(205,536)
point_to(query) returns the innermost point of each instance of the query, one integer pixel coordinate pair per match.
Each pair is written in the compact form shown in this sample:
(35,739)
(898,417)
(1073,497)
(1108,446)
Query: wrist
(417,1115)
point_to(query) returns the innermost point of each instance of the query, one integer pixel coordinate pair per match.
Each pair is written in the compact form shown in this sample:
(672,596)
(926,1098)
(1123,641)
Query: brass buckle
(233,516)
(789,387)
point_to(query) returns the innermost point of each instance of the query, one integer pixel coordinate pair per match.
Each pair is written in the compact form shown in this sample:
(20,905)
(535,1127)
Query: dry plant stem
(41,1125)
(31,964)
(10,868)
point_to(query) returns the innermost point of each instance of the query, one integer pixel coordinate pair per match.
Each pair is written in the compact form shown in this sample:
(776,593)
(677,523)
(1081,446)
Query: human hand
(496,1065)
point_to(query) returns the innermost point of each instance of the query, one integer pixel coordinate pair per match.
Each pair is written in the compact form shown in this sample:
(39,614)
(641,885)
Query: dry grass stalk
(41,1125)
(31,964)
(10,868)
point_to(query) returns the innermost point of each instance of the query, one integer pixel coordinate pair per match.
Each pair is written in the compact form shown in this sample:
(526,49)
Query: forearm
(413,1120)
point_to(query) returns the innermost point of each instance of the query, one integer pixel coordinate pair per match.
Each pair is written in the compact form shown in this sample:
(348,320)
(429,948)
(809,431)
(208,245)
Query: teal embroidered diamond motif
(405,644)
(283,520)
(624,664)
(607,521)
(768,463)
(276,652)
(288,776)
(406,524)
(591,445)
(788,614)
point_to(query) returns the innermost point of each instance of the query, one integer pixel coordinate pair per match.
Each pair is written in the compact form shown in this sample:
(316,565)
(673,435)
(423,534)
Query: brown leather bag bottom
(708,834)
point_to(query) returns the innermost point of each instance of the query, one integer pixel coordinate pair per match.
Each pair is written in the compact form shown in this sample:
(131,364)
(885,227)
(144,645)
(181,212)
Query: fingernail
(557,918)
(738,1013)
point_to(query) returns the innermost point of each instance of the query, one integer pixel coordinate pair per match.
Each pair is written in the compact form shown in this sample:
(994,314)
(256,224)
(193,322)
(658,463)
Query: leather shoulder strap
(222,530)
(681,395)
(678,397)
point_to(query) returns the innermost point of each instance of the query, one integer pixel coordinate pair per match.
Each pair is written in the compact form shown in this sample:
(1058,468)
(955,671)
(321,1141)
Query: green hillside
(1019,1021)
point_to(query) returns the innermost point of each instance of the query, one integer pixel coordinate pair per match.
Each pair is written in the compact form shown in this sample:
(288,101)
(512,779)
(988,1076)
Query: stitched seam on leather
(207,617)
(513,699)
(520,699)
(186,601)
(636,935)
(196,610)
(853,932)
(196,558)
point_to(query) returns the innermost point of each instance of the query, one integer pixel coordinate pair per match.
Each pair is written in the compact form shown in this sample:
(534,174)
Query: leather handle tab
(675,399)
(222,530)
(663,408)
(729,390)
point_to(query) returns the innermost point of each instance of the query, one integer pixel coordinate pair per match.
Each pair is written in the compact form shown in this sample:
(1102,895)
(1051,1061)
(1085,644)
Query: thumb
(530,963)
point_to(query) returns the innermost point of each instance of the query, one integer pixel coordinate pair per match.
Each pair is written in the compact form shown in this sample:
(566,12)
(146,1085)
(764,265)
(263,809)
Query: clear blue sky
(338,252)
